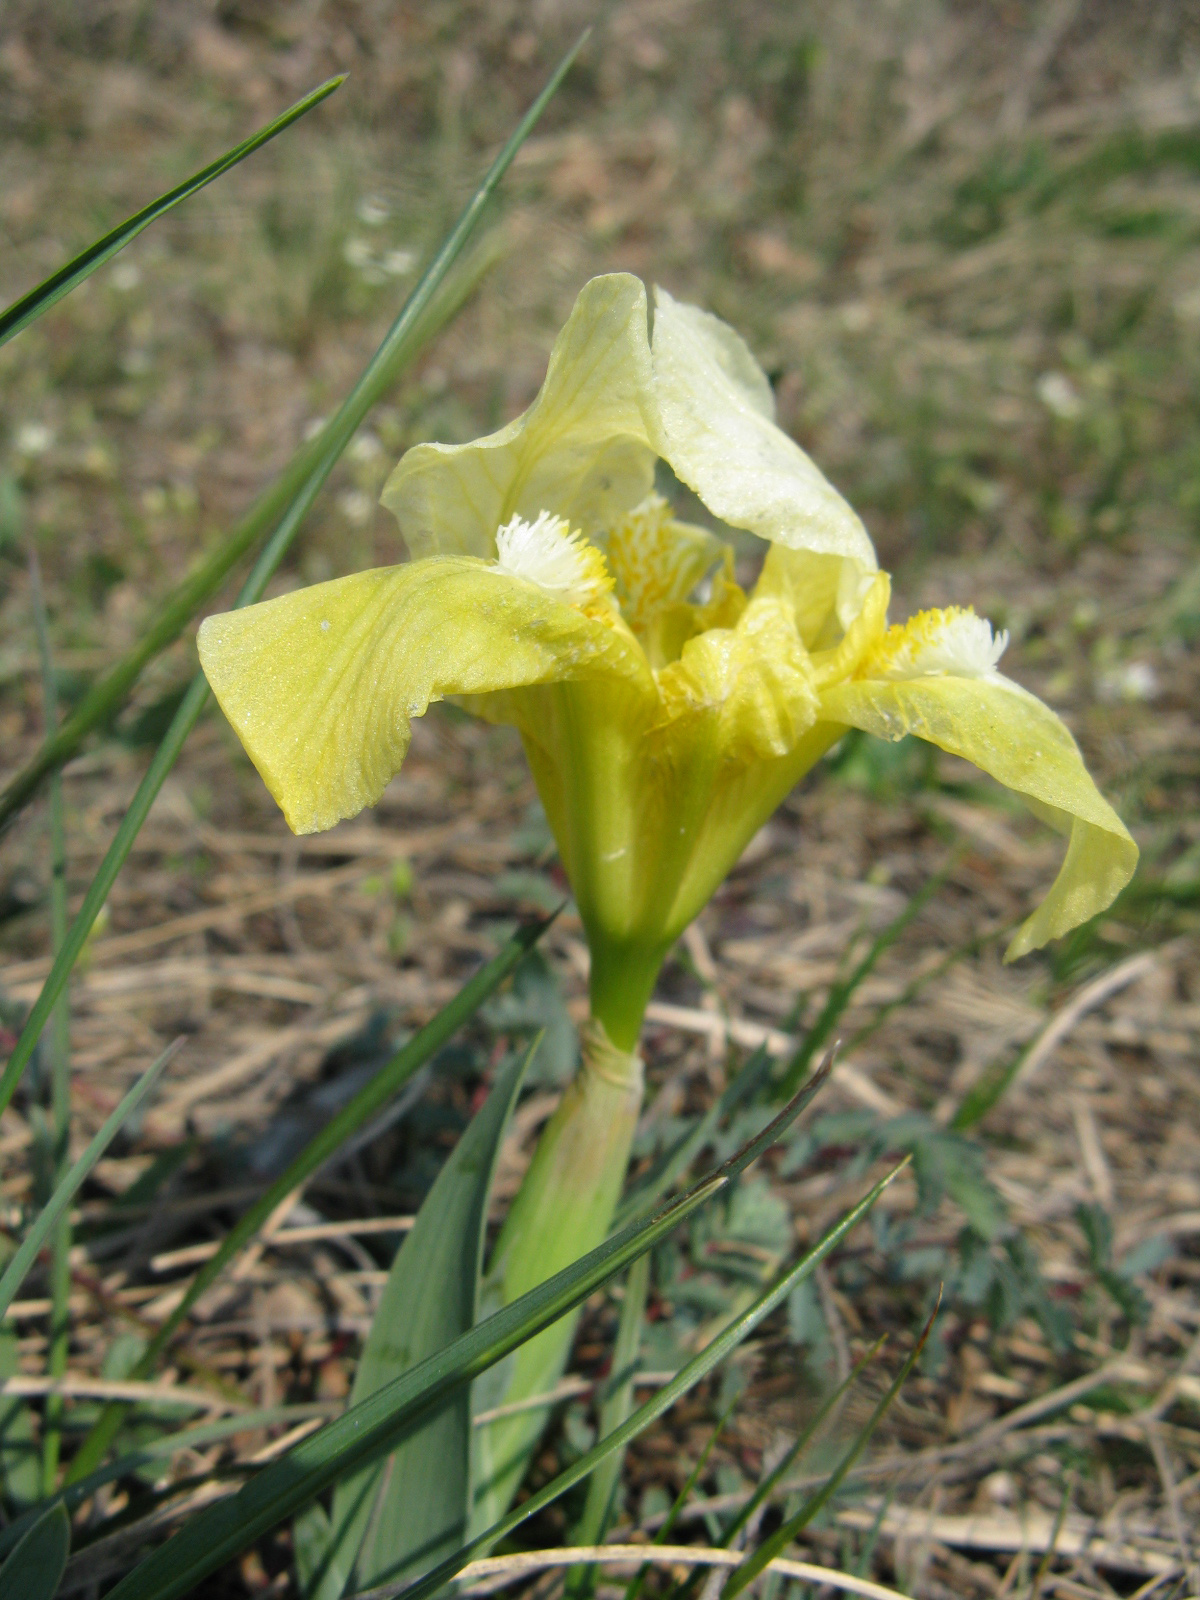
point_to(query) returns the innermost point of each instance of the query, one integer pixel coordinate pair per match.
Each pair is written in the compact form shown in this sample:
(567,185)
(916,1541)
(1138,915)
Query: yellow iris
(665,713)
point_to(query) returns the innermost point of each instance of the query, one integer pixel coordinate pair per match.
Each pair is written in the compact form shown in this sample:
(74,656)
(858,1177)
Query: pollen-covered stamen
(953,643)
(548,553)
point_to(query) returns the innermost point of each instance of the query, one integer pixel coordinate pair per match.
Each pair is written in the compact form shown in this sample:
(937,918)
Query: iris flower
(665,712)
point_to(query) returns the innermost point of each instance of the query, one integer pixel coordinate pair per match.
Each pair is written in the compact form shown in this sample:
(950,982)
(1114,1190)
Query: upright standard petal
(716,428)
(1008,733)
(320,685)
(582,449)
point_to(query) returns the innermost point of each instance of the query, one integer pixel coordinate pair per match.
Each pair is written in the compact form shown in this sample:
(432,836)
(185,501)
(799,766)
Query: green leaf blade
(732,1335)
(429,1300)
(35,1568)
(375,1426)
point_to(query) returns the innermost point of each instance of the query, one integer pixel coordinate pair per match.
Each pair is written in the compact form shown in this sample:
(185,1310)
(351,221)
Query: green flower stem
(622,980)
(563,1209)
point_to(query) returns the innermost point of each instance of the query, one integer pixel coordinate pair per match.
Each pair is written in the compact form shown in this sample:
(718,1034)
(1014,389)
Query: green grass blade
(842,992)
(60,1058)
(374,1427)
(634,1587)
(745,1575)
(615,1409)
(101,884)
(369,1100)
(20,1454)
(400,344)
(767,1487)
(35,1568)
(732,1335)
(27,1253)
(911,990)
(645,1194)
(30,306)
(204,1433)
(305,473)
(692,1584)
(378,1424)
(989,1090)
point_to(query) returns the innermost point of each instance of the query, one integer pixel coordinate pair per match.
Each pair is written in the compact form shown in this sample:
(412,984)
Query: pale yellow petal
(1011,735)
(717,431)
(320,685)
(582,450)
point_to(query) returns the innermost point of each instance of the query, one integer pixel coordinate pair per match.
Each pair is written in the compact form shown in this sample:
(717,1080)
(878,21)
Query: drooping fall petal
(320,685)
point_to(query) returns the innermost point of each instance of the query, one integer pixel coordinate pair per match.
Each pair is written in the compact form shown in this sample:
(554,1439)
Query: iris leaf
(734,1333)
(416,1506)
(36,1566)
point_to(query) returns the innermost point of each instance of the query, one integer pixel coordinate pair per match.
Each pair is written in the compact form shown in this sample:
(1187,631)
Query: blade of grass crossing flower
(634,1587)
(60,1058)
(35,1568)
(778,1542)
(104,699)
(415,1505)
(730,1337)
(375,1426)
(30,306)
(370,1099)
(398,346)
(43,1225)
(614,1410)
(418,319)
(842,992)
